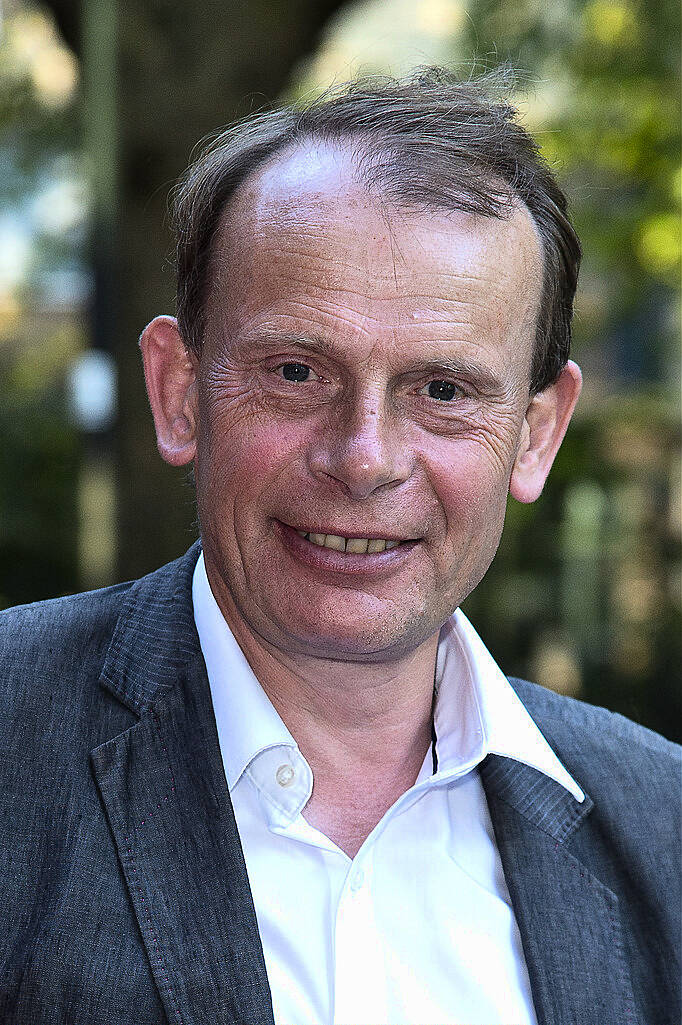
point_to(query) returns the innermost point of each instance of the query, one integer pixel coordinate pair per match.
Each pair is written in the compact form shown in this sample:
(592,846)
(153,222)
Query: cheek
(245,455)
(471,484)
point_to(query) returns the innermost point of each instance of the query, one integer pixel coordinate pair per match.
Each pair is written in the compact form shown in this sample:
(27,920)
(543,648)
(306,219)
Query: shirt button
(285,775)
(357,881)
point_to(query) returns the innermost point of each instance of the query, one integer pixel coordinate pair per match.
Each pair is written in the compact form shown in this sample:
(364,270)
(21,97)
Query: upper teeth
(358,545)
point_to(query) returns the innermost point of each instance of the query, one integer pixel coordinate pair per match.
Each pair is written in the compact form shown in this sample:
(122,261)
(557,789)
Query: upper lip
(388,535)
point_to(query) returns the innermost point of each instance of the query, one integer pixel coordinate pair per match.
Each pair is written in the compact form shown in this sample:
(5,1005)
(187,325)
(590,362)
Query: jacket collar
(155,638)
(541,800)
(568,919)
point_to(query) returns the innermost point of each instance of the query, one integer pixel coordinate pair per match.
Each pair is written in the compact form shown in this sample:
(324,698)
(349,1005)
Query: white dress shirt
(418,927)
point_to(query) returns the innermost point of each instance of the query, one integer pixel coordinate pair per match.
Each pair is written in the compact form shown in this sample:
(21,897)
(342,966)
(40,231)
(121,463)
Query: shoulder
(606,752)
(51,657)
(83,624)
(45,631)
(51,652)
(589,725)
(54,657)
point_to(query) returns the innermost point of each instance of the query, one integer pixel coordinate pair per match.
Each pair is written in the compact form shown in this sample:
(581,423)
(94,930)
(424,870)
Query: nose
(362,447)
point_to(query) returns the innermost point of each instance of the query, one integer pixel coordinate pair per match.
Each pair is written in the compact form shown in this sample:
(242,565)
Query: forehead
(305,229)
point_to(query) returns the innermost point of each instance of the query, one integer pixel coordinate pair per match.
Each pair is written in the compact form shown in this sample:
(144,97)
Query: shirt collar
(476,710)
(245,716)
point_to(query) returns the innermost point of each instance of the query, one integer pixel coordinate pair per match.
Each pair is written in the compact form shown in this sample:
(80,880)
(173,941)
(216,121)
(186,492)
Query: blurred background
(101,105)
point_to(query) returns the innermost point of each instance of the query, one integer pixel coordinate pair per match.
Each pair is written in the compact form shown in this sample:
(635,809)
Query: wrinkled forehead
(310,204)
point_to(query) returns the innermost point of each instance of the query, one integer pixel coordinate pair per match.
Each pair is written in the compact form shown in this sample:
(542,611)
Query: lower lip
(348,563)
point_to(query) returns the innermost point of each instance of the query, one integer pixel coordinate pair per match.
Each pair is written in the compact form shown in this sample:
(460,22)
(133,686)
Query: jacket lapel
(166,798)
(568,919)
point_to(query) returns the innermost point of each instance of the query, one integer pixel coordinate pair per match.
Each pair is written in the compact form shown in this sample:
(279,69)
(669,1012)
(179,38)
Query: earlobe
(170,375)
(542,432)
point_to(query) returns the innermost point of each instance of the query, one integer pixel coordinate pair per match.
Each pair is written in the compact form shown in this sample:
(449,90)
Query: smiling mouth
(352,545)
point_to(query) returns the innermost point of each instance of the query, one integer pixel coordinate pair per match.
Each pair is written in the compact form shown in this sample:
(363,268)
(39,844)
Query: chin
(357,637)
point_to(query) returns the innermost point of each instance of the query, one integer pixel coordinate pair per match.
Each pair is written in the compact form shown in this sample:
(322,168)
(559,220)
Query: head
(374,300)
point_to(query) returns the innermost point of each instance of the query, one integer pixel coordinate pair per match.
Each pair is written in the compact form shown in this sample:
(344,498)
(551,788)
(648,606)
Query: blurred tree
(184,70)
(43,283)
(584,594)
(602,86)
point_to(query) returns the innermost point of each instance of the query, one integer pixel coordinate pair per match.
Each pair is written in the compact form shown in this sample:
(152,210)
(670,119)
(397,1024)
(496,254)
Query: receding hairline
(232,232)
(347,174)
(435,142)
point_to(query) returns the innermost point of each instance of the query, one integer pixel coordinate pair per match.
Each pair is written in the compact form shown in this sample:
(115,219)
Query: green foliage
(38,466)
(39,454)
(584,592)
(603,99)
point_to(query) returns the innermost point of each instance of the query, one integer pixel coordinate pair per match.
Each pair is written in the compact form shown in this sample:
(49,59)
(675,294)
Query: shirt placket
(357,973)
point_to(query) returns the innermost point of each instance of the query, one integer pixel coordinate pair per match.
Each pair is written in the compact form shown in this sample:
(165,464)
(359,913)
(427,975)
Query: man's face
(364,375)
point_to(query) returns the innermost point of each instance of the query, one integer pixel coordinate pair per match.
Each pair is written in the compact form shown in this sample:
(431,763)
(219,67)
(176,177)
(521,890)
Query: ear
(170,372)
(542,432)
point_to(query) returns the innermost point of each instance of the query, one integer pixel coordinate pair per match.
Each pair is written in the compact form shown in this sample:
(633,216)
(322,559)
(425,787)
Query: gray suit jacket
(124,897)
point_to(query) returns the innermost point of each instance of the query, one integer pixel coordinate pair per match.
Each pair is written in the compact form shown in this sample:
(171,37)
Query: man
(283,778)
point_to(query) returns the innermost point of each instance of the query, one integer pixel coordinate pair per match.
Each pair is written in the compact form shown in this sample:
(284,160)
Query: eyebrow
(479,374)
(484,377)
(312,343)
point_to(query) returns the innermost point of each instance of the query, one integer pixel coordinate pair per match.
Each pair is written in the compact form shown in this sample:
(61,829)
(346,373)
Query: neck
(349,714)
(352,720)
(363,729)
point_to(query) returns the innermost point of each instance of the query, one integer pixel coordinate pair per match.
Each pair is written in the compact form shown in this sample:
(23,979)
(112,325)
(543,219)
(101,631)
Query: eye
(297,372)
(445,391)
